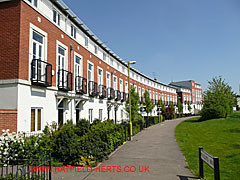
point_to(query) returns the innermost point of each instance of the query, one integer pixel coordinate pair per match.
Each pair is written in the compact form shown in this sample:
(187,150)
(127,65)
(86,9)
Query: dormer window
(86,41)
(34,2)
(104,56)
(56,17)
(73,31)
(95,49)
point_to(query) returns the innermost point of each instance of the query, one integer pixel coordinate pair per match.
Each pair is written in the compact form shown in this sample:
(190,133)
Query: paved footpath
(155,147)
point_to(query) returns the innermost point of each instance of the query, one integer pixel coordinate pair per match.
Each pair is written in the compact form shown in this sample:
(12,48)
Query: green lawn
(219,137)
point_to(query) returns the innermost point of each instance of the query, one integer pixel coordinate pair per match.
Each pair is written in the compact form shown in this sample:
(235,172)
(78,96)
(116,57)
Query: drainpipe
(71,58)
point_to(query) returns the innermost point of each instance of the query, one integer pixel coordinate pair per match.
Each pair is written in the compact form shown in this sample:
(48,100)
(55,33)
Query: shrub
(65,146)
(82,127)
(168,113)
(212,112)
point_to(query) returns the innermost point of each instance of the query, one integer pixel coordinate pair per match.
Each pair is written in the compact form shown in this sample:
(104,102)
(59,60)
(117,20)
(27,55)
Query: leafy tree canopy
(218,99)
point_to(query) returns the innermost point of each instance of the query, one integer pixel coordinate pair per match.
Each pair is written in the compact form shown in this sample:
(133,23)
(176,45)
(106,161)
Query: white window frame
(120,87)
(36,119)
(86,41)
(74,35)
(58,17)
(126,86)
(89,62)
(95,49)
(45,46)
(81,66)
(34,3)
(114,82)
(108,73)
(98,68)
(58,43)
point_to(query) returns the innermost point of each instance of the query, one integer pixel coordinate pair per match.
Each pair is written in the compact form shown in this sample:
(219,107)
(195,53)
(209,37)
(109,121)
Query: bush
(82,127)
(65,144)
(212,112)
(168,113)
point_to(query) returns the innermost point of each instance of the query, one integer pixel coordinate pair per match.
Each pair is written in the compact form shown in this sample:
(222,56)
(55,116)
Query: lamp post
(129,97)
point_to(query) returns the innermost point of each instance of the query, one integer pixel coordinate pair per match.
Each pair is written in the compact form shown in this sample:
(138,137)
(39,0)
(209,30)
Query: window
(95,49)
(100,76)
(73,31)
(153,95)
(77,66)
(108,77)
(86,41)
(126,87)
(115,83)
(104,56)
(90,115)
(143,92)
(117,66)
(100,114)
(111,61)
(37,53)
(36,119)
(90,72)
(123,69)
(121,85)
(150,94)
(139,91)
(56,17)
(35,2)
(61,58)
(135,87)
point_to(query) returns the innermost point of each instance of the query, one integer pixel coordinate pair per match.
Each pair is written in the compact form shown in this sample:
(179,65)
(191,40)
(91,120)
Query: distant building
(189,92)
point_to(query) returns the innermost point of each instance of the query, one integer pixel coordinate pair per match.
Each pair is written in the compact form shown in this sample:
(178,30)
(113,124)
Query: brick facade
(8,120)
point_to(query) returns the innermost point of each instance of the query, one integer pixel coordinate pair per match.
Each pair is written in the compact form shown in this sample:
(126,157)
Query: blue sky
(175,39)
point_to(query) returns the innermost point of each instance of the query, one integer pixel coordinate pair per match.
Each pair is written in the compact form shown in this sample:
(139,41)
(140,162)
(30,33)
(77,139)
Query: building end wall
(8,119)
(9,38)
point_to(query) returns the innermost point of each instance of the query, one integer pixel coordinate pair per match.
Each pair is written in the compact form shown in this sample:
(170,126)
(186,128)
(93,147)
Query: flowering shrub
(11,146)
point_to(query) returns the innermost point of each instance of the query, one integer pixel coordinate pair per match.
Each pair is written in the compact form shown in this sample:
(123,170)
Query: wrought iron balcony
(102,91)
(110,93)
(92,88)
(81,85)
(64,80)
(123,96)
(41,73)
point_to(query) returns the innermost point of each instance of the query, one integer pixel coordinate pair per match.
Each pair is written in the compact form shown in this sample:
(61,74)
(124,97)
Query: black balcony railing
(64,80)
(117,95)
(41,73)
(81,85)
(110,93)
(123,96)
(102,91)
(92,88)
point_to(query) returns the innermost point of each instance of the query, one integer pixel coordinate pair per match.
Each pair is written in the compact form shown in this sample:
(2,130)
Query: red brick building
(53,68)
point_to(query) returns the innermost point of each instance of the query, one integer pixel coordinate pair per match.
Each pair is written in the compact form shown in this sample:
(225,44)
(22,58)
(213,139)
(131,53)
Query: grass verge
(219,137)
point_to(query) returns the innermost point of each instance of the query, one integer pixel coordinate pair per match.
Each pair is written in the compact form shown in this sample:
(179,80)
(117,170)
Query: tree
(218,99)
(148,103)
(180,107)
(134,104)
(161,105)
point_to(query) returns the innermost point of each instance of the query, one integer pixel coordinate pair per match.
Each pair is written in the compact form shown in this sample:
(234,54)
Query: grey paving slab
(155,148)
